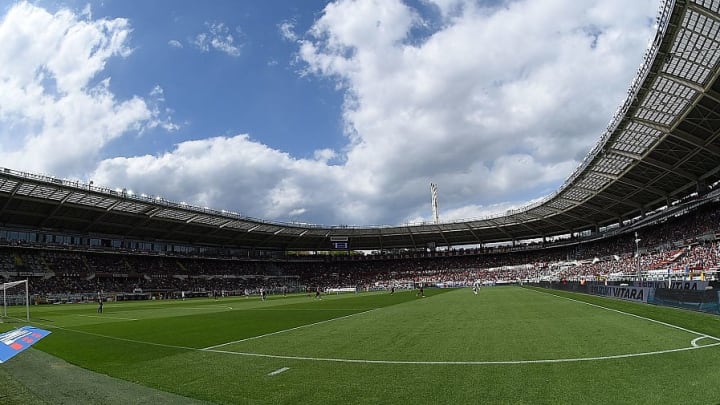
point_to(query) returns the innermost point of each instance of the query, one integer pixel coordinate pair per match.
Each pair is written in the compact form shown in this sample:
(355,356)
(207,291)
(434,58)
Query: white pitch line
(202,308)
(49,326)
(110,317)
(301,309)
(470,363)
(285,330)
(695,341)
(416,362)
(278,371)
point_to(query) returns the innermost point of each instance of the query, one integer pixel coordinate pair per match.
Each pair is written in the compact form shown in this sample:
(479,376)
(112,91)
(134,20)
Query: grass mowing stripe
(629,314)
(116,337)
(305,309)
(202,308)
(286,330)
(109,317)
(194,348)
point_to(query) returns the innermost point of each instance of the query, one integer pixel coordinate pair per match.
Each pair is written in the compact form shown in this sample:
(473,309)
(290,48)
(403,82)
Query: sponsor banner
(689,285)
(30,274)
(674,285)
(341,290)
(15,341)
(651,284)
(640,294)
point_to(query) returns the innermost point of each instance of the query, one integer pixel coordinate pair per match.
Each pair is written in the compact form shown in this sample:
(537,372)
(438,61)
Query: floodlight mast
(433,200)
(637,254)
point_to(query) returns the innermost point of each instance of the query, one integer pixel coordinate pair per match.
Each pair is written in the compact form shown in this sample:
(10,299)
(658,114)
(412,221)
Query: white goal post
(14,294)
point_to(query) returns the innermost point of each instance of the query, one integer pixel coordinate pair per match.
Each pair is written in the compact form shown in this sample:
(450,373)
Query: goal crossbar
(4,287)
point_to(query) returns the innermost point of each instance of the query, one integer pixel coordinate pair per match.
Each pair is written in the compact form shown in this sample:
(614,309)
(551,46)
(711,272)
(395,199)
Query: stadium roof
(661,145)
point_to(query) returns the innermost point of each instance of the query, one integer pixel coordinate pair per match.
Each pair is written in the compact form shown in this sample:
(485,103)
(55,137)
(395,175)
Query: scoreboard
(340,242)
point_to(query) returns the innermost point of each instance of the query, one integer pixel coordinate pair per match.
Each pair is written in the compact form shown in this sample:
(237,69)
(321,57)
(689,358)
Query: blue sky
(252,87)
(323,112)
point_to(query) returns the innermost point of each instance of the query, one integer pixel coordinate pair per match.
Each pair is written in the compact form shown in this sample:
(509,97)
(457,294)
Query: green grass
(506,345)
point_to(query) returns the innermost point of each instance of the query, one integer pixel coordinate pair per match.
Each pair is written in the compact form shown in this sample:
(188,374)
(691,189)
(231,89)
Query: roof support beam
(12,194)
(472,232)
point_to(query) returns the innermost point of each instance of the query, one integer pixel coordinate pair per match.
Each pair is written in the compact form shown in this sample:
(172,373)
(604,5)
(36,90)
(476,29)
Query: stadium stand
(681,246)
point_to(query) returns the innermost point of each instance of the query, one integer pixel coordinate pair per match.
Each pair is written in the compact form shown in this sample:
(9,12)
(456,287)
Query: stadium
(605,291)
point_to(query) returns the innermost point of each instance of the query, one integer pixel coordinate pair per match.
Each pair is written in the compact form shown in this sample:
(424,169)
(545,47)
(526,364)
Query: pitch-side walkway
(59,382)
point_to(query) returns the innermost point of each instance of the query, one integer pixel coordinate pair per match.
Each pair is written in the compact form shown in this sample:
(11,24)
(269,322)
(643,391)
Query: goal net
(15,301)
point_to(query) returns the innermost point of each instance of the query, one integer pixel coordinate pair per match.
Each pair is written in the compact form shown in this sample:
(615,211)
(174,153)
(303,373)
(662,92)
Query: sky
(324,112)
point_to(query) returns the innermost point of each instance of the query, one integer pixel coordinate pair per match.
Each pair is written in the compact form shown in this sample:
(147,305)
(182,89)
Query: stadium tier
(683,247)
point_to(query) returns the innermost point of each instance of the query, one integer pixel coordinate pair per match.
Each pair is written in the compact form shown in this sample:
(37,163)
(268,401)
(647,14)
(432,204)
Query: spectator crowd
(683,246)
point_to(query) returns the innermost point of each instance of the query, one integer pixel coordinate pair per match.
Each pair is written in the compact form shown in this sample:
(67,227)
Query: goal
(15,301)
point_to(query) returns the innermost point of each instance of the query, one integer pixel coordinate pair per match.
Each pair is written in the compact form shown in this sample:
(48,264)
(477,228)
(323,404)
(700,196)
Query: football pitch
(506,345)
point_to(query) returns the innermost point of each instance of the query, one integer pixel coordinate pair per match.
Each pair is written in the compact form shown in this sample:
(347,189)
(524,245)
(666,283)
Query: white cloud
(218,171)
(324,155)
(52,97)
(174,43)
(87,12)
(218,38)
(287,30)
(161,117)
(494,106)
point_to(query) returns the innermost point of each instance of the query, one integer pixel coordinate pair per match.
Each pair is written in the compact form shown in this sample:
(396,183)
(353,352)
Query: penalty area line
(142,342)
(669,325)
(209,348)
